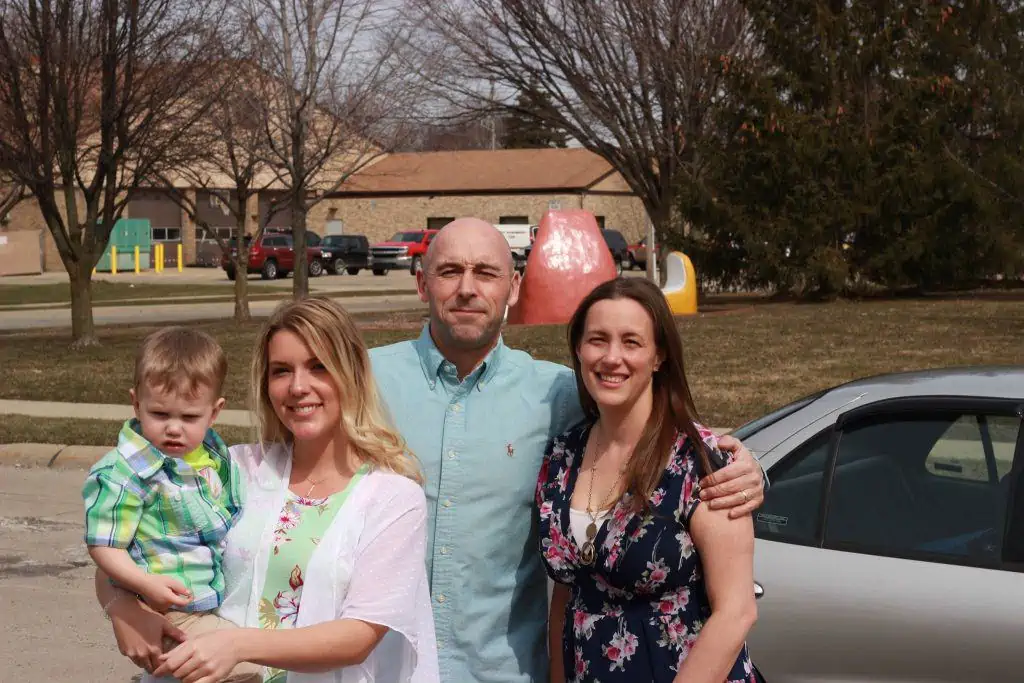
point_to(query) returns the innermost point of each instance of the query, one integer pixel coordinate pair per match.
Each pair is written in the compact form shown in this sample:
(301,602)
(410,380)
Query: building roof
(505,170)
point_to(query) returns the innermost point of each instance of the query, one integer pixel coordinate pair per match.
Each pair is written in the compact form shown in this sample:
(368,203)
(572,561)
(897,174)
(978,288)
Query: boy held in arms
(157,507)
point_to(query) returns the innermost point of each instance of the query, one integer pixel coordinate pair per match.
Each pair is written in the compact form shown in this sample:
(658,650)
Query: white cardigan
(368,566)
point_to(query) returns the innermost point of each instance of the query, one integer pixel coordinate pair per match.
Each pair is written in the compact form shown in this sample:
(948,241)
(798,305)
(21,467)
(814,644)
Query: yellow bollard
(113,260)
(158,257)
(181,266)
(137,269)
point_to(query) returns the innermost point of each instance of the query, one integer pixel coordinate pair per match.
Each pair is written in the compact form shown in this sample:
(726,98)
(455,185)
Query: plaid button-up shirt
(169,518)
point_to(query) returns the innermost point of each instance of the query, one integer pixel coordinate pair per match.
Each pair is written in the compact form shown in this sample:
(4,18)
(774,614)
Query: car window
(273,241)
(792,504)
(893,493)
(312,239)
(975,447)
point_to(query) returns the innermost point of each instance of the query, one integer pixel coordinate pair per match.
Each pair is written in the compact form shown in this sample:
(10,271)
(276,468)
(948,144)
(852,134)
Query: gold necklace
(588,553)
(315,484)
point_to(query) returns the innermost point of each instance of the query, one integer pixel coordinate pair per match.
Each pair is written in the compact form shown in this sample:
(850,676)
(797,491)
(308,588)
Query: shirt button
(447,502)
(455,408)
(441,598)
(444,550)
(451,455)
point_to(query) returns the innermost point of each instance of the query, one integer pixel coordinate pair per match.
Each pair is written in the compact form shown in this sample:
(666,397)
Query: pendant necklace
(588,553)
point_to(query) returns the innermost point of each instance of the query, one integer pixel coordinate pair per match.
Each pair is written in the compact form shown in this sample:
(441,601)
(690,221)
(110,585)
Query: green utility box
(127,234)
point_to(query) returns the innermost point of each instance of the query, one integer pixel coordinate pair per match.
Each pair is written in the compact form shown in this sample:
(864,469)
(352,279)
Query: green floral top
(300,527)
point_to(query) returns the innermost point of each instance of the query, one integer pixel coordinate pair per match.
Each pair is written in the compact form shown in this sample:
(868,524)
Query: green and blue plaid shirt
(169,518)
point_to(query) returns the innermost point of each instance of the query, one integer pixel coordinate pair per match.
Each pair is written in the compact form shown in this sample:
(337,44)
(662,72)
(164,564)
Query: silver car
(890,546)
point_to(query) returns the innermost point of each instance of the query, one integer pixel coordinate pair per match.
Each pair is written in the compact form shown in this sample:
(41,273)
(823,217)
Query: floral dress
(300,526)
(635,614)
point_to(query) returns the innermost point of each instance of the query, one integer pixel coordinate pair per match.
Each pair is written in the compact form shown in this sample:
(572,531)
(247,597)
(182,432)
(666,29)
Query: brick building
(398,192)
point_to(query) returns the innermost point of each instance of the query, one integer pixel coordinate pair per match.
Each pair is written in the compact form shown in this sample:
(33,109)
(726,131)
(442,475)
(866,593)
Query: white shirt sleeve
(389,585)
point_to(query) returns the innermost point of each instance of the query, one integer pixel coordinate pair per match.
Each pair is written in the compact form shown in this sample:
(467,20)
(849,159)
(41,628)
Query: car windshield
(756,425)
(407,237)
(332,241)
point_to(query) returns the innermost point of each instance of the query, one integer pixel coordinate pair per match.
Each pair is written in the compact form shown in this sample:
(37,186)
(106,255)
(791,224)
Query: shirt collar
(431,359)
(146,460)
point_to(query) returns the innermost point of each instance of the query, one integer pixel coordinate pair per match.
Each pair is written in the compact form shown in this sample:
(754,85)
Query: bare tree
(233,169)
(95,98)
(11,193)
(634,81)
(334,96)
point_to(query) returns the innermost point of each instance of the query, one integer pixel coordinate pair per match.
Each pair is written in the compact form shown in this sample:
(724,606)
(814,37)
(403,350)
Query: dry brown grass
(744,357)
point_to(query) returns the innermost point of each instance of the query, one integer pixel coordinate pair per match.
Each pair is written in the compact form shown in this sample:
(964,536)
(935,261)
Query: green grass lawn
(116,293)
(744,356)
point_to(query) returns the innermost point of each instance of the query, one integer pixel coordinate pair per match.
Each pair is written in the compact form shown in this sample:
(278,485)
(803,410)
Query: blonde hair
(329,332)
(180,359)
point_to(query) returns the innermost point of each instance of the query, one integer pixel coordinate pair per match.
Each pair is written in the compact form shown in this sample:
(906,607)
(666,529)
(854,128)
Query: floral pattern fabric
(299,528)
(634,614)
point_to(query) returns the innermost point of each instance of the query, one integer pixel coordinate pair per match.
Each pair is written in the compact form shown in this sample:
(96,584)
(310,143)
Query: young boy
(157,507)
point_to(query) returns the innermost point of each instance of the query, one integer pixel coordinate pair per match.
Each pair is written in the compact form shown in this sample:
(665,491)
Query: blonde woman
(325,569)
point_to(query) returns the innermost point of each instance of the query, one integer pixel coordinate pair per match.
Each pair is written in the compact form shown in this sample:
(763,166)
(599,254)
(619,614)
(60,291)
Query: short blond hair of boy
(180,359)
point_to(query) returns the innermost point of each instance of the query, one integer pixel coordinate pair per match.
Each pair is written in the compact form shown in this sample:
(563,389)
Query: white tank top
(579,520)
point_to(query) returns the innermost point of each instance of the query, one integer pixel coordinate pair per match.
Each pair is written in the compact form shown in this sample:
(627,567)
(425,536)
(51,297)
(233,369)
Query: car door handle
(758,591)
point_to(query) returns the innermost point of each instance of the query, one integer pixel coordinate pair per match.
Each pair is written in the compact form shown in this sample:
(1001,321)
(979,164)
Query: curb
(50,456)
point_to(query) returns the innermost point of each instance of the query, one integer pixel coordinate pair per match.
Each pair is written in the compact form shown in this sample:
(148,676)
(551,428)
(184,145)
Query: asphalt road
(53,628)
(35,319)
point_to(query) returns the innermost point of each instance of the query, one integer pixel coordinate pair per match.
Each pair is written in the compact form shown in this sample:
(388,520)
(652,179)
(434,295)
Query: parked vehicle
(274,256)
(618,246)
(519,238)
(637,257)
(890,545)
(404,250)
(346,253)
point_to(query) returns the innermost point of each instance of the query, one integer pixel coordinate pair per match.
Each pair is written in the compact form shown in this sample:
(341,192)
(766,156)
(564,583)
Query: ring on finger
(746,497)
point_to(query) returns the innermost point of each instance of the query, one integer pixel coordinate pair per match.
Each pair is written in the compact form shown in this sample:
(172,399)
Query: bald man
(479,416)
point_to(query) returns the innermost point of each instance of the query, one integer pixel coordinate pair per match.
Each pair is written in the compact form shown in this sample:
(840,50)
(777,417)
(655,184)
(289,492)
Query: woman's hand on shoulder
(739,486)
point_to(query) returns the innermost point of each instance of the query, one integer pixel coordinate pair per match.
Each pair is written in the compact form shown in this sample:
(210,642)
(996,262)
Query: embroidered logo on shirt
(509,449)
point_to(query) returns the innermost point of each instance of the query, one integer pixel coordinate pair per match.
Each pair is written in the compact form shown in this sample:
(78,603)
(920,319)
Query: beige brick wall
(379,218)
(26,216)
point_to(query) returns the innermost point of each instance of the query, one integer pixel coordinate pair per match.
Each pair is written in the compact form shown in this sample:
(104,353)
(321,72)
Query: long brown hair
(673,411)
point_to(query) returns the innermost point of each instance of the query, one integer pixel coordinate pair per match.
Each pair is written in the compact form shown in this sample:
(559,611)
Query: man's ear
(135,402)
(513,292)
(421,284)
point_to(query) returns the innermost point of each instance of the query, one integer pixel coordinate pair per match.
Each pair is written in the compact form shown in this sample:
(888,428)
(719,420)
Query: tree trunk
(300,278)
(83,329)
(242,313)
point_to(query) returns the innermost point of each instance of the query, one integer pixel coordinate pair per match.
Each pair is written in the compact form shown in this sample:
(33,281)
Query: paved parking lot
(53,629)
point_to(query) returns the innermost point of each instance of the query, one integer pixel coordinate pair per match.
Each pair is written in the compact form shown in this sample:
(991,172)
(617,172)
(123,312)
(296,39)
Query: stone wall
(380,217)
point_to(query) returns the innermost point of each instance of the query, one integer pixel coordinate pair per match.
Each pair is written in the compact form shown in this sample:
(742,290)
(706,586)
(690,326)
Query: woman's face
(301,391)
(617,352)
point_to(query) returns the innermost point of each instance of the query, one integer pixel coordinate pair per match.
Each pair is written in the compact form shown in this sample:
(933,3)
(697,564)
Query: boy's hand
(163,592)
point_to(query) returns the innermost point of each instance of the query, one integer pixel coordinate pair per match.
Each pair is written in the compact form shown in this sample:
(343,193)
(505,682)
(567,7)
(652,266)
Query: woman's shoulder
(384,487)
(571,441)
(685,452)
(249,456)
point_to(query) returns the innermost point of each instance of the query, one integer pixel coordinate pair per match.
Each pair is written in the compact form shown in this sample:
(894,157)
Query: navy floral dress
(634,615)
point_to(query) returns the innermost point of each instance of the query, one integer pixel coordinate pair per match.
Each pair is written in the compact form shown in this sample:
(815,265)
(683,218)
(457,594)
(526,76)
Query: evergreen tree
(525,129)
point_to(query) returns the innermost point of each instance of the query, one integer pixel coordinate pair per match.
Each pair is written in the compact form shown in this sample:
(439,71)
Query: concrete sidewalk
(99,411)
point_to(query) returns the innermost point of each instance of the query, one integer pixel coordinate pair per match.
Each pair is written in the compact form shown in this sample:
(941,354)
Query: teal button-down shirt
(480,443)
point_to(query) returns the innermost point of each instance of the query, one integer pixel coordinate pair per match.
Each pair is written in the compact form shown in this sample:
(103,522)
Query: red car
(274,257)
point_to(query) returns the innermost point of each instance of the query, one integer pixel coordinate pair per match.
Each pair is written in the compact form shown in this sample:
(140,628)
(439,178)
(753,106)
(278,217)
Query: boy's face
(173,421)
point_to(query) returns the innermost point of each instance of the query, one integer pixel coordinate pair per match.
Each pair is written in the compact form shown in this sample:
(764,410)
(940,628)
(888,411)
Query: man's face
(468,282)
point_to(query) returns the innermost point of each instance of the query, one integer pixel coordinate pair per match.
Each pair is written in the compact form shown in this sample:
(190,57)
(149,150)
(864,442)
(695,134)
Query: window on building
(438,222)
(514,220)
(166,234)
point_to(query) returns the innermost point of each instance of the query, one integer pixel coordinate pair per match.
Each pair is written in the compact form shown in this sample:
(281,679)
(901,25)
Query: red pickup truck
(404,250)
(274,257)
